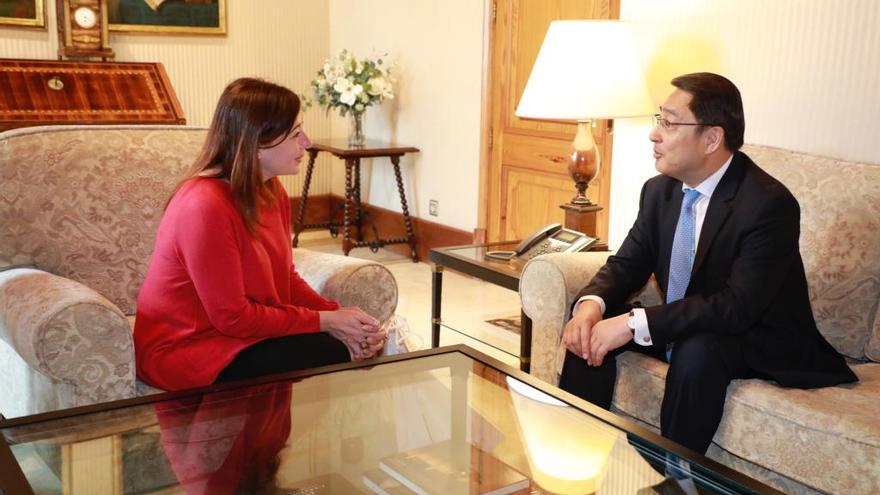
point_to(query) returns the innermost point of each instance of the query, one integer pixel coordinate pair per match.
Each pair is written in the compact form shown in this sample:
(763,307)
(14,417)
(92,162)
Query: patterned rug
(511,323)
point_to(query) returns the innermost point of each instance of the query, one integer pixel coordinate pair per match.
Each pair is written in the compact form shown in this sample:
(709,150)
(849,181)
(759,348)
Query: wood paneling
(319,208)
(544,192)
(538,150)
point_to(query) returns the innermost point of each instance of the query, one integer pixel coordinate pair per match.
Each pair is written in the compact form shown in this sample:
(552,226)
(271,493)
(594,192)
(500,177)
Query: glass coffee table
(447,421)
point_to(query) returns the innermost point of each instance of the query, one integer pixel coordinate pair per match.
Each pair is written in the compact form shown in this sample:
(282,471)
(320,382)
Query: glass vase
(356,136)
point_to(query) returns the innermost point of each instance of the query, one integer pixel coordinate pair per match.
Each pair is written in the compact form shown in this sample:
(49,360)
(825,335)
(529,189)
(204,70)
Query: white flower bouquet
(350,85)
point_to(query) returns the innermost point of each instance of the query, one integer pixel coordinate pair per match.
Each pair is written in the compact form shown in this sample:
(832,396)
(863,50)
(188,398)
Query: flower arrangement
(350,85)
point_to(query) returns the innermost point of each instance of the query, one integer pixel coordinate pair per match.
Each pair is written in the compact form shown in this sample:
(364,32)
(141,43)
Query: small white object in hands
(399,338)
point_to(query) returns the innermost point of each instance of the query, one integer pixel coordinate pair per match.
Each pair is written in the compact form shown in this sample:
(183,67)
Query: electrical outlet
(433,206)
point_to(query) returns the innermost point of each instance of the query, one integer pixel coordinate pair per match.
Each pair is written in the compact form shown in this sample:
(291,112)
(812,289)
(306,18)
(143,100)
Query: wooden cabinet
(41,92)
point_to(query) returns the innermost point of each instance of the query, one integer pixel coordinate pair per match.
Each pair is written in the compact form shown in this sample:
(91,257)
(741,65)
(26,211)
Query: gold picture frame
(167,16)
(30,13)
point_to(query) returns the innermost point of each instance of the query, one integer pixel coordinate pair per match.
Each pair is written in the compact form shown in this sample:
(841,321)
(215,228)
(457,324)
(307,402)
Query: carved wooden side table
(352,209)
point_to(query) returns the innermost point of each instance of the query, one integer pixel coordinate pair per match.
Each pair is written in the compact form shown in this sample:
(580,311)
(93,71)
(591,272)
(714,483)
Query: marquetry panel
(37,92)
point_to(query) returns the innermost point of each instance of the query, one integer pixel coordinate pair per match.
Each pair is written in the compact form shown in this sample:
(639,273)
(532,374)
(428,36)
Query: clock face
(85,17)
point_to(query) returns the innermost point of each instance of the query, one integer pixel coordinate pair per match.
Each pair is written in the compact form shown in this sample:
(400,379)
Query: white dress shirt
(642,334)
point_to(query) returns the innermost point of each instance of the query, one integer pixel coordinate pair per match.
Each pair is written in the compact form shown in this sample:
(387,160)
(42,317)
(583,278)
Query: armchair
(788,438)
(79,208)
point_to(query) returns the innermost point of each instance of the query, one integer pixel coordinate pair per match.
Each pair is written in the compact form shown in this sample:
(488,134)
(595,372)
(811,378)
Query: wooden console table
(352,157)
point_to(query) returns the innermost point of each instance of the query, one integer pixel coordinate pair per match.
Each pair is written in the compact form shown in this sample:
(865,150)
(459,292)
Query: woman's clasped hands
(356,329)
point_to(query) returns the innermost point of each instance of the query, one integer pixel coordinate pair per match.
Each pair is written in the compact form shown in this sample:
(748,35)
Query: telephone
(551,238)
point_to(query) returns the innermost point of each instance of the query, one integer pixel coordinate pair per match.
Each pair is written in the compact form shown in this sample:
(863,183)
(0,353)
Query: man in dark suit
(721,237)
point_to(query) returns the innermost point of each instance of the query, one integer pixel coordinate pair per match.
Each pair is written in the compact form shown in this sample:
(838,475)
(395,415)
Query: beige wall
(284,41)
(807,71)
(437,46)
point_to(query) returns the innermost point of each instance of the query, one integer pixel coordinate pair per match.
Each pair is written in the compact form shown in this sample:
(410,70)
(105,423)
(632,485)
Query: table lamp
(586,70)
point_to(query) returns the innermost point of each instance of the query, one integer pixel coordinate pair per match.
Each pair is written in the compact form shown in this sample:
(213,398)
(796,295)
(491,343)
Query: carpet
(511,323)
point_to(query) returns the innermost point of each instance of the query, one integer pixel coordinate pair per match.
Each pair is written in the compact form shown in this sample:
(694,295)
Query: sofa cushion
(77,201)
(840,242)
(67,332)
(779,428)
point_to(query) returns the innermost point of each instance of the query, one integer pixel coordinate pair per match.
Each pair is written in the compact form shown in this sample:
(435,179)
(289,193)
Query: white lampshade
(586,70)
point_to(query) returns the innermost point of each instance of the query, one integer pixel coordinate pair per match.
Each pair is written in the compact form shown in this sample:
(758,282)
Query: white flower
(350,96)
(342,85)
(377,85)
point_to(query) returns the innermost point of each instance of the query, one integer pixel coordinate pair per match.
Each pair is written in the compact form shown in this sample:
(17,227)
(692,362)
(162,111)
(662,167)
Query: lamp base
(581,218)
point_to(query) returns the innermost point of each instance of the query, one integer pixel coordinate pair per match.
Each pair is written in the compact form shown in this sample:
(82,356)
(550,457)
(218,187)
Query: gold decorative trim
(39,20)
(154,29)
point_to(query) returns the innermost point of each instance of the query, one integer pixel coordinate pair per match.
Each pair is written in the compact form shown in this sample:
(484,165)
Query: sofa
(79,208)
(800,441)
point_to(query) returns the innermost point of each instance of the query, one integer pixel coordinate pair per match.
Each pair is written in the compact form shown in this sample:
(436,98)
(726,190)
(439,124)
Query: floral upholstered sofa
(79,208)
(801,441)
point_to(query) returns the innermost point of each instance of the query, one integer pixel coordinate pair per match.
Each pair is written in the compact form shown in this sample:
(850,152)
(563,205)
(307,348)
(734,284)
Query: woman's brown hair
(250,115)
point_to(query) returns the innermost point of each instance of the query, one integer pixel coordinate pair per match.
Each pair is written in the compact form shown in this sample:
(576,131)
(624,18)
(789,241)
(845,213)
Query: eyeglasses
(666,125)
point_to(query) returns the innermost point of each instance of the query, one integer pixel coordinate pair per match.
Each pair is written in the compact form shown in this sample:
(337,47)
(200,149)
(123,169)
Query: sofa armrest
(547,289)
(69,333)
(349,281)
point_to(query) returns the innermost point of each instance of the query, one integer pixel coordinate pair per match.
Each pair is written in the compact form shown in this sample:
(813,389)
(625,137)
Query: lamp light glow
(586,70)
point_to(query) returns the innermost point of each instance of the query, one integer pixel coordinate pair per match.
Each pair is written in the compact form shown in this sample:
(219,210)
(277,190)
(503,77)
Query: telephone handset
(551,238)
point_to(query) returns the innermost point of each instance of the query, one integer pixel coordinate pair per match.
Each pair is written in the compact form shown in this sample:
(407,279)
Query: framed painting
(30,13)
(167,16)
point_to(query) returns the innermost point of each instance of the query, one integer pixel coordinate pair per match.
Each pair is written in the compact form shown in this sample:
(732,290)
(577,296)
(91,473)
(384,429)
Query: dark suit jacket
(748,277)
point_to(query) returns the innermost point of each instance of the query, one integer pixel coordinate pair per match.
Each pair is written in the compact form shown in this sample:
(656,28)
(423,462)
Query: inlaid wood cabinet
(42,92)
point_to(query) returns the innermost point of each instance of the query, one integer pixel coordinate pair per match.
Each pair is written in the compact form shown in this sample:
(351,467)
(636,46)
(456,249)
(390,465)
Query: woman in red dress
(221,299)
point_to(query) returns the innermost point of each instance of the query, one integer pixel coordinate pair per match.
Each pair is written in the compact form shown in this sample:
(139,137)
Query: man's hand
(576,334)
(606,336)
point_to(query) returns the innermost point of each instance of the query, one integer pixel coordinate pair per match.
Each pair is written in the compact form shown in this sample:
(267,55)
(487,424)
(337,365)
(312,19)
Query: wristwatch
(631,322)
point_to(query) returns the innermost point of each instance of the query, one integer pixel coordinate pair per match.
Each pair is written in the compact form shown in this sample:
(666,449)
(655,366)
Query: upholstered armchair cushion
(547,288)
(84,202)
(840,242)
(791,432)
(69,334)
(349,281)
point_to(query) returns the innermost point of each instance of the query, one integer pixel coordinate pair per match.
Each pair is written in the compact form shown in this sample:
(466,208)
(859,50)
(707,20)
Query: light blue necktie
(683,250)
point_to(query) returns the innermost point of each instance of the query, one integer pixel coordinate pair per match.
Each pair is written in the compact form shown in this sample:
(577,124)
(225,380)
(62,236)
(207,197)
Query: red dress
(212,289)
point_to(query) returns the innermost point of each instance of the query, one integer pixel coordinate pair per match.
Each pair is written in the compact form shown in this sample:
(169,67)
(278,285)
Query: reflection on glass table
(444,421)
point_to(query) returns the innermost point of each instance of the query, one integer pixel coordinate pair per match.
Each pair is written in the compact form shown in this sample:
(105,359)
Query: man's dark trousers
(696,384)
